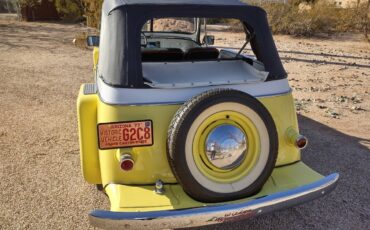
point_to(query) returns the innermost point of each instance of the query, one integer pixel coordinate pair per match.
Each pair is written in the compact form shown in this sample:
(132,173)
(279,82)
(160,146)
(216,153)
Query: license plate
(125,134)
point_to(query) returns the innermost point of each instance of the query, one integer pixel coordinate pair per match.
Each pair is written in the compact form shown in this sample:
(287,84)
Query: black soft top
(122,21)
(115,3)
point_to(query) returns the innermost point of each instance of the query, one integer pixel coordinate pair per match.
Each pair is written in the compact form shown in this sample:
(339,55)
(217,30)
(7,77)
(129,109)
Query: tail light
(126,162)
(301,142)
(296,139)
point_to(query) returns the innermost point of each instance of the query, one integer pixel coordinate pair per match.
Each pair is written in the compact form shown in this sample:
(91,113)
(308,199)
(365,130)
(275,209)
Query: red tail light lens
(301,142)
(127,163)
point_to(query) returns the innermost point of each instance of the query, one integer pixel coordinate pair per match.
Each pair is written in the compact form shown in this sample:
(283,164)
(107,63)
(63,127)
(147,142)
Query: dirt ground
(41,183)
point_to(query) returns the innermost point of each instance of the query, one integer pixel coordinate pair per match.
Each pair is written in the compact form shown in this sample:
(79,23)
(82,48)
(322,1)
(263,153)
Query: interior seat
(161,54)
(202,53)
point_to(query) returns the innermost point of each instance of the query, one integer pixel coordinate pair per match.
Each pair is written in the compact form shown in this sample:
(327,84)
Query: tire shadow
(347,206)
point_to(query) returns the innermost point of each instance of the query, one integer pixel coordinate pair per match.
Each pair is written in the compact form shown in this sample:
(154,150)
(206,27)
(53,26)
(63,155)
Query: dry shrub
(93,12)
(290,19)
(70,10)
(29,3)
(353,19)
(80,40)
(74,10)
(314,18)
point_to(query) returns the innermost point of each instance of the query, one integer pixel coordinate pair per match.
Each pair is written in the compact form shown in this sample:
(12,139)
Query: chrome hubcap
(226,146)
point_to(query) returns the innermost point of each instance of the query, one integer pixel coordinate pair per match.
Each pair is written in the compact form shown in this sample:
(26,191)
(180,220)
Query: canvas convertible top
(122,21)
(116,3)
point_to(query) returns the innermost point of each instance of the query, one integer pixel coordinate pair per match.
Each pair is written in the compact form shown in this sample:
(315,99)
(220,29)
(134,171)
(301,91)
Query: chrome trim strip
(213,214)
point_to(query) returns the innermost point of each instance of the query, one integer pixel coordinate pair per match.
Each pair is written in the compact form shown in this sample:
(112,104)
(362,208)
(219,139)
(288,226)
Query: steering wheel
(145,38)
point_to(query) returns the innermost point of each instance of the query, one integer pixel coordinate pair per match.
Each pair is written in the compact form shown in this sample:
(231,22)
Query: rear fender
(87,120)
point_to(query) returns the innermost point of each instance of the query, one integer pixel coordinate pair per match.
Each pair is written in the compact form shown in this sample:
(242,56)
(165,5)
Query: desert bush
(29,3)
(77,9)
(294,20)
(353,19)
(70,10)
(93,12)
(80,40)
(308,18)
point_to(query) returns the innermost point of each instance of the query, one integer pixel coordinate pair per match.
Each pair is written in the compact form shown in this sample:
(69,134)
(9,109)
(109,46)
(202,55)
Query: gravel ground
(41,184)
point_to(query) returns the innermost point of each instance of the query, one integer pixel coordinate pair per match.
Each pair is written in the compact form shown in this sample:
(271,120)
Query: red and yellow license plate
(125,134)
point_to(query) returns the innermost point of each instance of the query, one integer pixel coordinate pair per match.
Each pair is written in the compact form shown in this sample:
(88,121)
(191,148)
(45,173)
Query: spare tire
(222,145)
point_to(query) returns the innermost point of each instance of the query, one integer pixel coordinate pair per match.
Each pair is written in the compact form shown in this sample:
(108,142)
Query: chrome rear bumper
(213,214)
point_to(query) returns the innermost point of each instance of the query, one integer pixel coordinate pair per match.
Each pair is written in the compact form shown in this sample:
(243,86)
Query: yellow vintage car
(179,132)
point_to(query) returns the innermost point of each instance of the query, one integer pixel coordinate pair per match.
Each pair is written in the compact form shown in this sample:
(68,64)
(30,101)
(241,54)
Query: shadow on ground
(348,206)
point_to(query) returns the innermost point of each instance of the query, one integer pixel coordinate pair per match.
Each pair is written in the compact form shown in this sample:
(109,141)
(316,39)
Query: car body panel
(148,196)
(151,162)
(87,120)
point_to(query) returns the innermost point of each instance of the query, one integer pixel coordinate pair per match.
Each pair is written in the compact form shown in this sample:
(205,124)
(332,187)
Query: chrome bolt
(159,187)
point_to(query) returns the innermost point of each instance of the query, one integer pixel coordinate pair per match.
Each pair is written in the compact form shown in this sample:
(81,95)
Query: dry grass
(313,19)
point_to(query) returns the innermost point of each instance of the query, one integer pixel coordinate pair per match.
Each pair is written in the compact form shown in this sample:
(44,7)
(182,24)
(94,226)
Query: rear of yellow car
(132,192)
(173,152)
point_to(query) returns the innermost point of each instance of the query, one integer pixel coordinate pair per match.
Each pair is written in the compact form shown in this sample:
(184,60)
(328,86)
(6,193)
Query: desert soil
(41,183)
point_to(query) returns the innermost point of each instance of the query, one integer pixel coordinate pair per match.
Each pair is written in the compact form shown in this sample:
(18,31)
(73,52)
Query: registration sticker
(125,134)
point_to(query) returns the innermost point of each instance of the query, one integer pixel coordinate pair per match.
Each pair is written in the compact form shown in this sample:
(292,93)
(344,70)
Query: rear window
(171,25)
